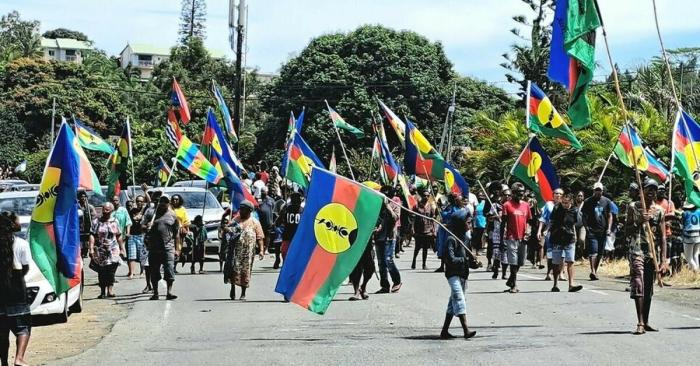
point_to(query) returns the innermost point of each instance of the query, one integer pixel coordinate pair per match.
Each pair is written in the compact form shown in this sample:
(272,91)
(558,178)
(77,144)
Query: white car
(200,202)
(41,296)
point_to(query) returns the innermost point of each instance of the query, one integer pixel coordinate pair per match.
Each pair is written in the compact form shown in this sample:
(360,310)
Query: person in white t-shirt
(15,314)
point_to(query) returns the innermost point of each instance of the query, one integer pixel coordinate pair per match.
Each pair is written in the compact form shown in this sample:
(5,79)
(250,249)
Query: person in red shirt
(515,232)
(264,175)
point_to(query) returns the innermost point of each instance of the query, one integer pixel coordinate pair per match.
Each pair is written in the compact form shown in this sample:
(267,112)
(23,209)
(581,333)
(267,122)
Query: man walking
(642,270)
(424,228)
(163,246)
(597,218)
(515,230)
(385,242)
(544,228)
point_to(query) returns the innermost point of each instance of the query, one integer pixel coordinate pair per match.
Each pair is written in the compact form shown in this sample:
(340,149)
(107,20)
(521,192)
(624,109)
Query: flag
(299,123)
(177,99)
(391,169)
(54,234)
(421,158)
(657,169)
(394,121)
(333,232)
(534,168)
(163,172)
(646,161)
(339,122)
(190,157)
(685,153)
(172,129)
(298,161)
(21,167)
(331,163)
(291,124)
(119,163)
(225,114)
(572,54)
(454,182)
(225,162)
(91,140)
(411,201)
(87,178)
(543,118)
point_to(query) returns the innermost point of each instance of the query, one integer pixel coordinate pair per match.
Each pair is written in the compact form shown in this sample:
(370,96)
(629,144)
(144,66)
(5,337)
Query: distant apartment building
(64,49)
(143,57)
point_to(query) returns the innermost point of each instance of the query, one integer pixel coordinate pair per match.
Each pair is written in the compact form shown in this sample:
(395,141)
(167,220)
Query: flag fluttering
(394,121)
(172,129)
(119,163)
(298,161)
(221,156)
(421,158)
(572,54)
(339,122)
(335,227)
(90,140)
(299,123)
(389,169)
(192,159)
(534,168)
(178,101)
(87,176)
(54,234)
(544,118)
(630,146)
(685,160)
(454,182)
(163,172)
(225,113)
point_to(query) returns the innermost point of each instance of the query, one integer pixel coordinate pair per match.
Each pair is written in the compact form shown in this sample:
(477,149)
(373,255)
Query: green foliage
(405,70)
(18,38)
(66,33)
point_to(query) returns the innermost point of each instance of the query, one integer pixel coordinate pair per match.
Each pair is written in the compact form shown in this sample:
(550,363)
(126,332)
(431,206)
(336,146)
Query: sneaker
(576,288)
(593,277)
(555,289)
(153,297)
(495,276)
(170,297)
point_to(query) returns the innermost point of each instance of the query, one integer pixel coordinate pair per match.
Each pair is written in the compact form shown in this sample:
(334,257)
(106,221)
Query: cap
(598,185)
(688,205)
(662,187)
(634,186)
(248,205)
(649,182)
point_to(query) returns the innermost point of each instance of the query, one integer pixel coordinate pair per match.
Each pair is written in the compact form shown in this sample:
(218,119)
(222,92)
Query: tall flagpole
(131,157)
(53,119)
(342,146)
(527,105)
(642,199)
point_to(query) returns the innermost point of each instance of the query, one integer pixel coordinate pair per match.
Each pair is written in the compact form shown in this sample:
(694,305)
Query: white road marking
(598,292)
(166,310)
(690,317)
(587,287)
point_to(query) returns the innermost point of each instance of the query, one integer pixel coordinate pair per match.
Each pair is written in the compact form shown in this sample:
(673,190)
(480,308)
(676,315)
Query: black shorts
(17,324)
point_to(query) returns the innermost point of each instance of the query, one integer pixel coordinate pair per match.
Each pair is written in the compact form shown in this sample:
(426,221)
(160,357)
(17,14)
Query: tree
(66,33)
(402,68)
(192,19)
(529,59)
(19,38)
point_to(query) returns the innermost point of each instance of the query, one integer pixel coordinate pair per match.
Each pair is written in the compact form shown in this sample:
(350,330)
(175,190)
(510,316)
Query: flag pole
(606,165)
(342,146)
(675,96)
(53,119)
(527,105)
(642,200)
(131,157)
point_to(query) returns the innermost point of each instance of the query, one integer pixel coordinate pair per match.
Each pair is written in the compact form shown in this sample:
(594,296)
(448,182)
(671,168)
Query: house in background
(143,57)
(64,49)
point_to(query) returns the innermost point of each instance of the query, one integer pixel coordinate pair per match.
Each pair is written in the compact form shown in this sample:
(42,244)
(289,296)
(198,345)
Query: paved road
(204,327)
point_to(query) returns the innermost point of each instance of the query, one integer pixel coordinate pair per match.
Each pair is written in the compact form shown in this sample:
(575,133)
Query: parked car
(24,187)
(200,202)
(215,190)
(7,184)
(42,298)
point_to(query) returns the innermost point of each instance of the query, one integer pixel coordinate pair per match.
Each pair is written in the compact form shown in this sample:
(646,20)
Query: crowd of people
(503,224)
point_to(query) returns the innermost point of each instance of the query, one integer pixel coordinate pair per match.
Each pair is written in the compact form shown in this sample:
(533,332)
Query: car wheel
(77,307)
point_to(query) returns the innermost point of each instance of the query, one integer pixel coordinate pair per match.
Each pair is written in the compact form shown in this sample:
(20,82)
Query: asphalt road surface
(536,326)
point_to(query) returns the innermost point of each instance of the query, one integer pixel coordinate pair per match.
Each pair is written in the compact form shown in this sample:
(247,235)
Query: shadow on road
(684,328)
(238,301)
(603,332)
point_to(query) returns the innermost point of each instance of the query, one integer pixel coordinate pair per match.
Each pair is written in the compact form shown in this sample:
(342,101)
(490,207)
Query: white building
(64,49)
(143,57)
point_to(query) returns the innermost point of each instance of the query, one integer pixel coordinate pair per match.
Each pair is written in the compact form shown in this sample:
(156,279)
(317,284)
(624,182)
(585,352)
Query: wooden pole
(342,146)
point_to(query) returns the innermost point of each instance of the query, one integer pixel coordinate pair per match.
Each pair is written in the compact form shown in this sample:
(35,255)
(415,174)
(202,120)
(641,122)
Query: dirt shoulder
(82,331)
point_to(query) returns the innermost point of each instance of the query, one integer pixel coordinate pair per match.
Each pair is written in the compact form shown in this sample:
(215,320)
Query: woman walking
(424,228)
(199,236)
(15,316)
(457,272)
(105,250)
(251,234)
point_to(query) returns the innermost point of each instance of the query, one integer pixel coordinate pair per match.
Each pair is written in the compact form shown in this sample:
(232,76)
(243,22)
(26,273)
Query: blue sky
(474,32)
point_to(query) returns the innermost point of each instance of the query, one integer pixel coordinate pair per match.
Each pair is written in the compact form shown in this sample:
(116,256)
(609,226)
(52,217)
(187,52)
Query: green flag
(339,122)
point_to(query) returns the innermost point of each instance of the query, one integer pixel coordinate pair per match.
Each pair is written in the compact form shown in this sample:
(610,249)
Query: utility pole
(240,36)
(446,139)
(53,118)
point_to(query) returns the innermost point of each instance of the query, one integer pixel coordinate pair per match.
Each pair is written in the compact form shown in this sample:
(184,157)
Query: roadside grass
(616,268)
(685,278)
(619,268)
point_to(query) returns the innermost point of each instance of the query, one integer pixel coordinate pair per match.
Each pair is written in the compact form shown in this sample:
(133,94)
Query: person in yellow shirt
(177,204)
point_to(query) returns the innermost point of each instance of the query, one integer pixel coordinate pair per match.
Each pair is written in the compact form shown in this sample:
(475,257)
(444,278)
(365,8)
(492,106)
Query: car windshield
(196,199)
(22,206)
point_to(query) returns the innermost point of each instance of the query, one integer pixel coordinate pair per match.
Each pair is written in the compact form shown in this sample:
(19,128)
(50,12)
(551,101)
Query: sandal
(640,330)
(354,298)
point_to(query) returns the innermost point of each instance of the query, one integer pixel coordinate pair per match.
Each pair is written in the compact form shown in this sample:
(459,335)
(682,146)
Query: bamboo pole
(342,146)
